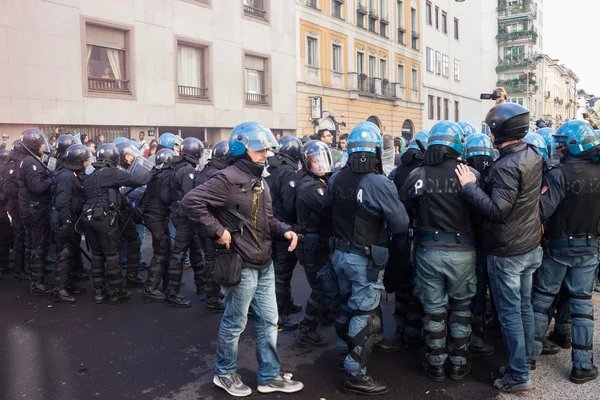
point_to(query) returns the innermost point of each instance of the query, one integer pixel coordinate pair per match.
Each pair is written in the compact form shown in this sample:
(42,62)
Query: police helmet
(63,143)
(449,134)
(467,128)
(221,149)
(108,152)
(479,144)
(508,121)
(536,140)
(4,157)
(35,140)
(120,139)
(365,137)
(251,136)
(77,154)
(291,146)
(579,136)
(169,140)
(164,156)
(191,150)
(546,134)
(316,158)
(423,137)
(128,148)
(16,145)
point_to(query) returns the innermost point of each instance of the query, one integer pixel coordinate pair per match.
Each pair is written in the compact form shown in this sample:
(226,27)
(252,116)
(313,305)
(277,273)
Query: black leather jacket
(509,201)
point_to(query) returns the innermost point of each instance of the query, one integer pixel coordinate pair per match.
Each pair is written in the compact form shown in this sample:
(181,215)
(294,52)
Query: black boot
(291,308)
(198,290)
(63,296)
(21,275)
(133,278)
(457,372)
(581,375)
(119,296)
(563,341)
(154,295)
(74,288)
(39,289)
(176,300)
(310,336)
(435,372)
(549,348)
(214,305)
(100,296)
(385,346)
(363,385)
(286,324)
(483,351)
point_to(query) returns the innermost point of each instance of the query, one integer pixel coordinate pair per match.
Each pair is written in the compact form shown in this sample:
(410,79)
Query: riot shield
(140,167)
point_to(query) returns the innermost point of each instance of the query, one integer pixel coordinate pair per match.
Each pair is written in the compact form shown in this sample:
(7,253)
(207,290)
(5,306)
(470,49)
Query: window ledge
(124,95)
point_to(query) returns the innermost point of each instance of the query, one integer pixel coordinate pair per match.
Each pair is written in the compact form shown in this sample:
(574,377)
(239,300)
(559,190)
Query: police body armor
(176,190)
(77,197)
(276,165)
(158,191)
(100,201)
(576,220)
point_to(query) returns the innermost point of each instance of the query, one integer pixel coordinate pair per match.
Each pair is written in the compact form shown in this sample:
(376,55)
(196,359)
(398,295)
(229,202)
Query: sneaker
(282,383)
(232,384)
(508,385)
(532,366)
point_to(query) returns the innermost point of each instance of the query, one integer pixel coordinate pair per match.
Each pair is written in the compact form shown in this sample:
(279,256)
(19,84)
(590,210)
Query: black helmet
(508,121)
(108,152)
(129,147)
(63,143)
(291,146)
(16,145)
(34,139)
(164,156)
(76,155)
(4,157)
(191,150)
(220,149)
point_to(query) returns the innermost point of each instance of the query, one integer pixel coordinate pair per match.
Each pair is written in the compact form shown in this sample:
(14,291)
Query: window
(430,107)
(428,13)
(382,29)
(107,59)
(446,109)
(372,67)
(445,65)
(444,23)
(437,17)
(255,8)
(413,27)
(336,58)
(372,25)
(312,52)
(383,9)
(312,3)
(439,108)
(456,29)
(400,8)
(360,19)
(456,70)
(415,79)
(438,63)
(255,69)
(429,59)
(383,69)
(518,100)
(401,75)
(191,72)
(456,111)
(336,8)
(360,63)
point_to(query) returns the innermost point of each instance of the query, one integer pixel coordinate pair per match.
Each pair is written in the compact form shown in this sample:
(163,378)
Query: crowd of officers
(461,214)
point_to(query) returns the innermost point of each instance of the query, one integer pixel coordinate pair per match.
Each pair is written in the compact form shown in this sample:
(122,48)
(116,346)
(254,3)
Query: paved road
(140,350)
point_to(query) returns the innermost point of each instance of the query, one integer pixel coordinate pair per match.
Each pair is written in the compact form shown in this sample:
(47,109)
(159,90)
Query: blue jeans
(141,230)
(257,288)
(361,295)
(172,233)
(446,280)
(578,274)
(511,281)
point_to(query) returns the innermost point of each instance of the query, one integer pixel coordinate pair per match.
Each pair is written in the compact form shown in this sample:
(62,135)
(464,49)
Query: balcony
(515,86)
(190,92)
(523,10)
(361,8)
(373,14)
(257,98)
(388,89)
(108,85)
(255,9)
(311,3)
(519,62)
(527,35)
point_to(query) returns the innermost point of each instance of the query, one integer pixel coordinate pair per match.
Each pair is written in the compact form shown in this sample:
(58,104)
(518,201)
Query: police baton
(420,145)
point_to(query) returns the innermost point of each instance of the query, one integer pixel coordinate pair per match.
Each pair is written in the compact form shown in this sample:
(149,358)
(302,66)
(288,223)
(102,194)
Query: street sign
(316,107)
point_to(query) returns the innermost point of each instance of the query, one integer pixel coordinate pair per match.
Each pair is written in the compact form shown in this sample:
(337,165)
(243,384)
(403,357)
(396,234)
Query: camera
(496,94)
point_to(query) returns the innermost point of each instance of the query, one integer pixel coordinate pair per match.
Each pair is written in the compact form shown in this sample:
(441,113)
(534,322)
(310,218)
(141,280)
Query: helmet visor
(320,162)
(262,140)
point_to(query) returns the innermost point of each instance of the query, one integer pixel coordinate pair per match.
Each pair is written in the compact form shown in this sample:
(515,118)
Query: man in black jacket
(233,208)
(5,228)
(510,208)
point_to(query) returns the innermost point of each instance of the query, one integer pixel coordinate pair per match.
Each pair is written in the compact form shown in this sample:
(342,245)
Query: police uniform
(130,216)
(6,235)
(10,189)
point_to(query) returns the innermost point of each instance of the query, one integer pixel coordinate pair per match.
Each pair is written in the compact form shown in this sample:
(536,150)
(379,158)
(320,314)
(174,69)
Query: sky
(571,35)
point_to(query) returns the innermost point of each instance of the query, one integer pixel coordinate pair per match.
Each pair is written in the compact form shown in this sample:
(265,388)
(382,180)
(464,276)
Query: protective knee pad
(163,244)
(365,338)
(542,304)
(431,335)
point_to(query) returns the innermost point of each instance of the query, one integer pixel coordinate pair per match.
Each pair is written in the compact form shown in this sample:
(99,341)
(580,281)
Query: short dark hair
(321,133)
(143,132)
(343,136)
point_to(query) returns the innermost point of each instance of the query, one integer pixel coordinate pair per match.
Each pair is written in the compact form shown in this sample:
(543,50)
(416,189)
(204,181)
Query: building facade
(360,60)
(117,67)
(452,63)
(560,92)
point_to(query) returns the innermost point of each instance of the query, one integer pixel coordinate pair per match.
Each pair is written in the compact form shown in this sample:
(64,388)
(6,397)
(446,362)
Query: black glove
(67,227)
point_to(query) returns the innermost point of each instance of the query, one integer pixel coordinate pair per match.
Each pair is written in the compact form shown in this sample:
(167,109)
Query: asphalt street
(141,350)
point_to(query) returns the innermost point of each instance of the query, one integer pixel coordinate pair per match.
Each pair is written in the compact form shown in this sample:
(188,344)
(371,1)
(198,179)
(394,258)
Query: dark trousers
(41,238)
(25,216)
(105,244)
(18,231)
(185,238)
(6,239)
(316,311)
(211,289)
(131,238)
(284,263)
(158,225)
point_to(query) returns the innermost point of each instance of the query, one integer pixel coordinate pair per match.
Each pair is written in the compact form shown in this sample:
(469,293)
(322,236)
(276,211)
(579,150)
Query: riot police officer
(156,219)
(409,310)
(445,253)
(6,235)
(34,200)
(170,141)
(182,181)
(282,181)
(572,240)
(62,144)
(363,200)
(467,127)
(10,189)
(67,202)
(314,221)
(100,218)
(220,159)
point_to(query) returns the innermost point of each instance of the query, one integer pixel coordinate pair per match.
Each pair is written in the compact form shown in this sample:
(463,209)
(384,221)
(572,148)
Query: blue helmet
(220,149)
(479,144)
(579,136)
(423,137)
(365,136)
(449,134)
(169,140)
(537,141)
(467,128)
(120,139)
(546,134)
(251,136)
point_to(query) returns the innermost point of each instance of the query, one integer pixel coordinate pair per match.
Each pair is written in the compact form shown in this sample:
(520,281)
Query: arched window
(408,129)
(374,120)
